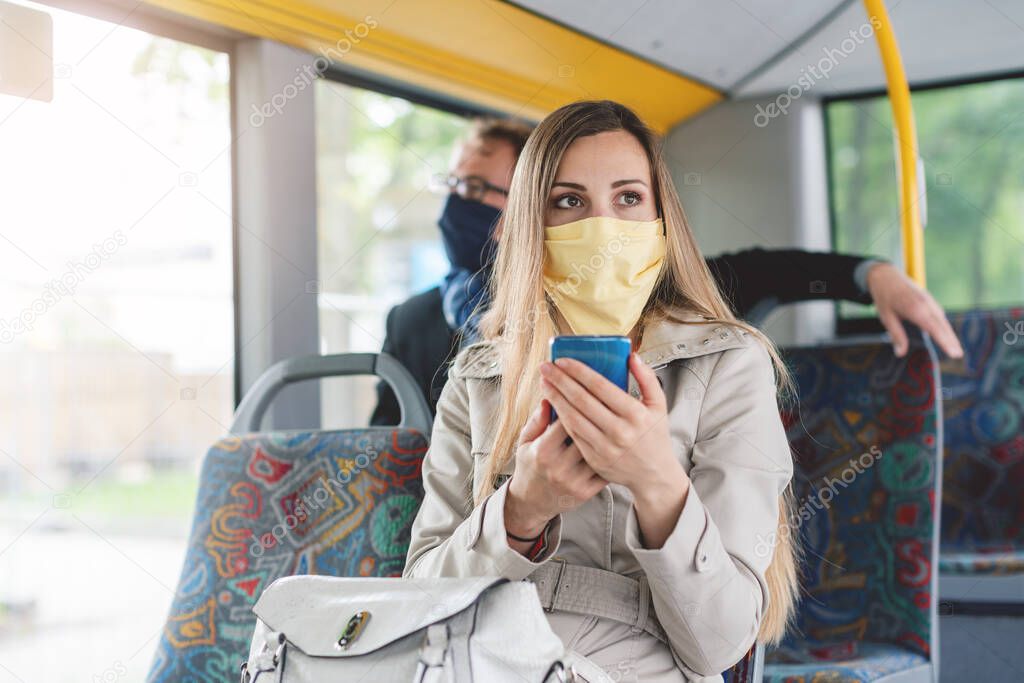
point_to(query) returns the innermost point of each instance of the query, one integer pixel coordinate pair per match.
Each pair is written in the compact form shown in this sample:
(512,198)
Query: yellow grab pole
(906,140)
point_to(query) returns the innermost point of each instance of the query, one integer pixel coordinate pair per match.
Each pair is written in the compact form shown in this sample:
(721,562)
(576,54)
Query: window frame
(412,93)
(866,324)
(152,20)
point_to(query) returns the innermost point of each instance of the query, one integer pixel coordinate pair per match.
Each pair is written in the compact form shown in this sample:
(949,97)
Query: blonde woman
(648,520)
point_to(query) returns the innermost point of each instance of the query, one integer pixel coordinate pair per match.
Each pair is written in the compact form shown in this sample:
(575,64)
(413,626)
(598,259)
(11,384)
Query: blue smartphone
(606,354)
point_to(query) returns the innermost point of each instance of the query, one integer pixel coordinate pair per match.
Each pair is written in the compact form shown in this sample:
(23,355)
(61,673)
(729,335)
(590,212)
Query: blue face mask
(466,230)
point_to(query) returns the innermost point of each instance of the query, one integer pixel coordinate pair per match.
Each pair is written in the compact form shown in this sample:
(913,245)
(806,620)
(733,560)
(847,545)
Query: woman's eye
(568,201)
(630,198)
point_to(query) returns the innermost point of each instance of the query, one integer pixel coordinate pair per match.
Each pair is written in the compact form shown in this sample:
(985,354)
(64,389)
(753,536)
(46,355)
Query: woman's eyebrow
(619,183)
(573,186)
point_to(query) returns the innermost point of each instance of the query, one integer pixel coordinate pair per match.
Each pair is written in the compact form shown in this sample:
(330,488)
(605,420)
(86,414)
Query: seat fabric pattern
(847,662)
(983,404)
(746,670)
(337,503)
(865,442)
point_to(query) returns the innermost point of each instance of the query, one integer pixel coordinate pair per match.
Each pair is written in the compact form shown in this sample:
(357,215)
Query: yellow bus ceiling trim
(482,51)
(906,141)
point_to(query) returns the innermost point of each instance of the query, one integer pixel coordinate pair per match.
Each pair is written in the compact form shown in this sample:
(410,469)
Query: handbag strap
(444,653)
(597,592)
(434,657)
(270,660)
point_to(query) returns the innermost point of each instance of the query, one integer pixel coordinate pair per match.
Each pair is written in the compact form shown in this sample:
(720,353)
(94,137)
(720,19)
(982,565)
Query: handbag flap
(314,611)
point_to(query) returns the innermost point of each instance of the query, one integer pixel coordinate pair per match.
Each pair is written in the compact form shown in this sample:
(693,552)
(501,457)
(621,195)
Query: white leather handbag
(312,629)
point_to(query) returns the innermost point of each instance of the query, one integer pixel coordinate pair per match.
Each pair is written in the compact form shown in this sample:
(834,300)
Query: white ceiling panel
(939,40)
(759,47)
(715,41)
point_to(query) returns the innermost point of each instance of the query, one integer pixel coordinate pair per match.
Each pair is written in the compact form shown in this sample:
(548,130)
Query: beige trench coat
(707,582)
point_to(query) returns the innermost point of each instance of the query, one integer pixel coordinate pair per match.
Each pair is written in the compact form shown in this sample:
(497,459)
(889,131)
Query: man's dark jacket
(418,336)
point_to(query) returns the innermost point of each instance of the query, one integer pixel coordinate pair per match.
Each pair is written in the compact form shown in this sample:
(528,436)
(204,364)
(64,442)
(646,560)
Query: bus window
(971,140)
(116,340)
(378,239)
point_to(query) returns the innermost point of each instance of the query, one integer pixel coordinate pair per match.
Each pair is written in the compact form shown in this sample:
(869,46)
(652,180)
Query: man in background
(417,332)
(424,332)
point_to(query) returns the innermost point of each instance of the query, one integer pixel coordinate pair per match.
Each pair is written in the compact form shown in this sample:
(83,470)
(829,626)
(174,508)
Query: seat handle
(413,406)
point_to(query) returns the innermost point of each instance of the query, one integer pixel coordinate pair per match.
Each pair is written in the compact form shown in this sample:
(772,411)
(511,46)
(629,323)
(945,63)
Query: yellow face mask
(600,271)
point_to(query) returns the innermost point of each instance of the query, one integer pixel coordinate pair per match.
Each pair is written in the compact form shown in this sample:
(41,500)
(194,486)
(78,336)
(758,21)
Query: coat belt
(597,592)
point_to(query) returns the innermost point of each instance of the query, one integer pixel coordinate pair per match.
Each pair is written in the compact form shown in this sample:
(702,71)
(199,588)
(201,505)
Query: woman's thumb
(537,423)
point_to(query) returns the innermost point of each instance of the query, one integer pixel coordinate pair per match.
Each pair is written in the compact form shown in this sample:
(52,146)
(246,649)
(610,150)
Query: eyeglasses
(471,187)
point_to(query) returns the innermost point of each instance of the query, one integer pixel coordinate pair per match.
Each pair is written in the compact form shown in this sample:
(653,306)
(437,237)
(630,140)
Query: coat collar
(664,342)
(668,340)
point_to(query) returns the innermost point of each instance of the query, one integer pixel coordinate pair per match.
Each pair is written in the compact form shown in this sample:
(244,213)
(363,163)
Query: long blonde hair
(520,318)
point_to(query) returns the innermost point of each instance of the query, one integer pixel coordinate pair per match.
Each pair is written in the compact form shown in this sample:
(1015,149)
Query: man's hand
(898,298)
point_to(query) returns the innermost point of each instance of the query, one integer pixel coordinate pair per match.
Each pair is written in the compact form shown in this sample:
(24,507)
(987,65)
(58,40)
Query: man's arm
(747,278)
(755,280)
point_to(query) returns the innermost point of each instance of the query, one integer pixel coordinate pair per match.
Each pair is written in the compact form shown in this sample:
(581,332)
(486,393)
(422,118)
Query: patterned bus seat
(866,440)
(983,403)
(339,503)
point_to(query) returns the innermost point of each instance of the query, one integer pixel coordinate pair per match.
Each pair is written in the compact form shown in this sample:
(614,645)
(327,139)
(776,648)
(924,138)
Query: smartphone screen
(606,354)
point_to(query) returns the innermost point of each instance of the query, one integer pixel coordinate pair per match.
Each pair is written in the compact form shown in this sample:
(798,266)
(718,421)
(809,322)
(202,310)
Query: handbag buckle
(353,629)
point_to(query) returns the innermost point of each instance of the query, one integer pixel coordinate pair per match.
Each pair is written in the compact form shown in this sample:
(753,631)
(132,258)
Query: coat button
(706,342)
(702,561)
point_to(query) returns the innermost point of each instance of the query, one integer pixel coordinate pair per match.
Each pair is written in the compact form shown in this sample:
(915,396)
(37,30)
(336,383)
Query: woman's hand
(550,477)
(626,441)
